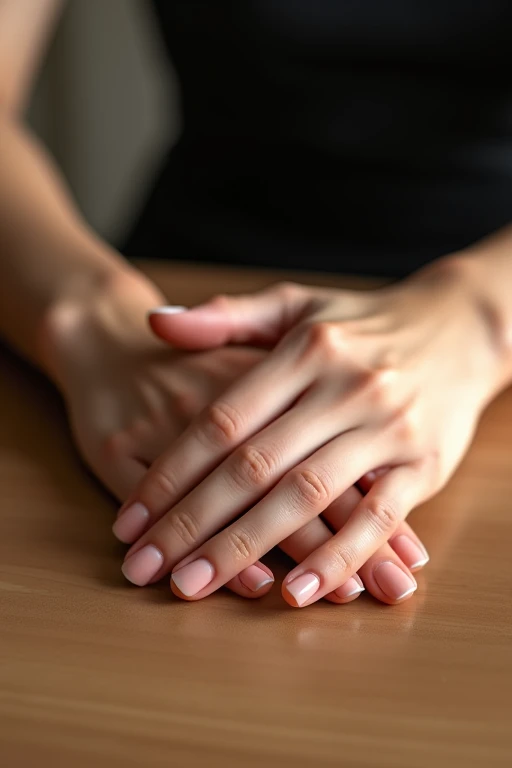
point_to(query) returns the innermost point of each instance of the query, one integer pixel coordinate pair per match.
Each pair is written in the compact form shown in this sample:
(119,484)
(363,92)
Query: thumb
(260,319)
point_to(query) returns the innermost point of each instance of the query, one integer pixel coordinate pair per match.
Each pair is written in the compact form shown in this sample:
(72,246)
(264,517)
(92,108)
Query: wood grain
(96,673)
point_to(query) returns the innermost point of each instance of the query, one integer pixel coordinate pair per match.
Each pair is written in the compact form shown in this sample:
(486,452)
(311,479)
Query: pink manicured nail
(194,577)
(131,523)
(303,587)
(393,581)
(414,555)
(353,586)
(255,578)
(143,565)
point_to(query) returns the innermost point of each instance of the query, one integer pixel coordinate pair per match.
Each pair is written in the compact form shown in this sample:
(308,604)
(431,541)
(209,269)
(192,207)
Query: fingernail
(170,309)
(303,587)
(194,577)
(394,582)
(413,554)
(255,578)
(353,586)
(131,523)
(143,565)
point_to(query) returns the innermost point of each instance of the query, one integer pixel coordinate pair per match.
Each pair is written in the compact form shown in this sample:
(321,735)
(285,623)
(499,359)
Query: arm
(49,258)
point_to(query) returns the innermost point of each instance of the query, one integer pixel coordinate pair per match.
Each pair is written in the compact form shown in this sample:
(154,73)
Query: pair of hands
(372,393)
(129,397)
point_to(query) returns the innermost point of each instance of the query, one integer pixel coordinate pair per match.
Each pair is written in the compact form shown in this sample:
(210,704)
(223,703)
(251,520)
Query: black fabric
(364,136)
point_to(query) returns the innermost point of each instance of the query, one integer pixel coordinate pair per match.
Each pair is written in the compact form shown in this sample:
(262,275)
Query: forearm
(48,255)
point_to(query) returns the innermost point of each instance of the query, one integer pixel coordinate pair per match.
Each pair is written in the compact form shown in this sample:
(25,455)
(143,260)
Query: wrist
(93,317)
(470,273)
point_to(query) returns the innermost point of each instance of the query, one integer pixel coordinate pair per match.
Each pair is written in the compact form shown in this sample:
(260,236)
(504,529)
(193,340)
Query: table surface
(95,672)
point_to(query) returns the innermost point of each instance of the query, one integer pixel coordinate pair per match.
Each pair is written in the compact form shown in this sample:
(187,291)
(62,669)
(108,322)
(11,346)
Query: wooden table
(97,673)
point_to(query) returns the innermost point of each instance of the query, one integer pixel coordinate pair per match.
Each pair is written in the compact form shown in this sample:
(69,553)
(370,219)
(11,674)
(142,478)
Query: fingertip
(240,589)
(337,600)
(254,581)
(410,550)
(302,590)
(178,593)
(169,309)
(391,582)
(186,329)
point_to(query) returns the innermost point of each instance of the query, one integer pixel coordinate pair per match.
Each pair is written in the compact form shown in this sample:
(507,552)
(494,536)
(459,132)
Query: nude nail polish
(170,309)
(303,587)
(143,565)
(254,578)
(394,582)
(193,577)
(131,523)
(354,586)
(409,551)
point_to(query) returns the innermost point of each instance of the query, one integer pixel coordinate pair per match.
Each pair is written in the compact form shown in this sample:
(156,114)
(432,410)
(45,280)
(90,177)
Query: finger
(409,548)
(259,318)
(384,589)
(313,535)
(121,475)
(387,577)
(253,402)
(303,494)
(255,581)
(403,541)
(120,478)
(233,487)
(370,525)
(365,483)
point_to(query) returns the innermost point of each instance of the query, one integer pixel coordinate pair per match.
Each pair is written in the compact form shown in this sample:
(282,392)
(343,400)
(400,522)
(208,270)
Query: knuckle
(383,515)
(408,427)
(380,387)
(325,338)
(253,466)
(287,290)
(242,545)
(341,557)
(184,525)
(223,424)
(113,446)
(313,487)
(220,302)
(163,482)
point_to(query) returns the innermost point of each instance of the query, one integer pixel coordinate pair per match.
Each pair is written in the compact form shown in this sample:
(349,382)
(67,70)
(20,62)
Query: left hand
(357,381)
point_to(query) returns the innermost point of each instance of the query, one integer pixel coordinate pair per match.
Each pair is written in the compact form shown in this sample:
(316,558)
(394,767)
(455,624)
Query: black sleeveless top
(366,136)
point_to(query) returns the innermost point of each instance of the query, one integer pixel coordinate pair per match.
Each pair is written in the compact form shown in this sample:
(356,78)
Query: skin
(71,305)
(128,396)
(394,378)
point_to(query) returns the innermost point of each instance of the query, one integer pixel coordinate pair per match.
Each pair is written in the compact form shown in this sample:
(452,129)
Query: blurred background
(101,105)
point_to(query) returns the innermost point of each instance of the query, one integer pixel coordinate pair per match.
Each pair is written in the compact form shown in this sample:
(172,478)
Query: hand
(128,397)
(382,379)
